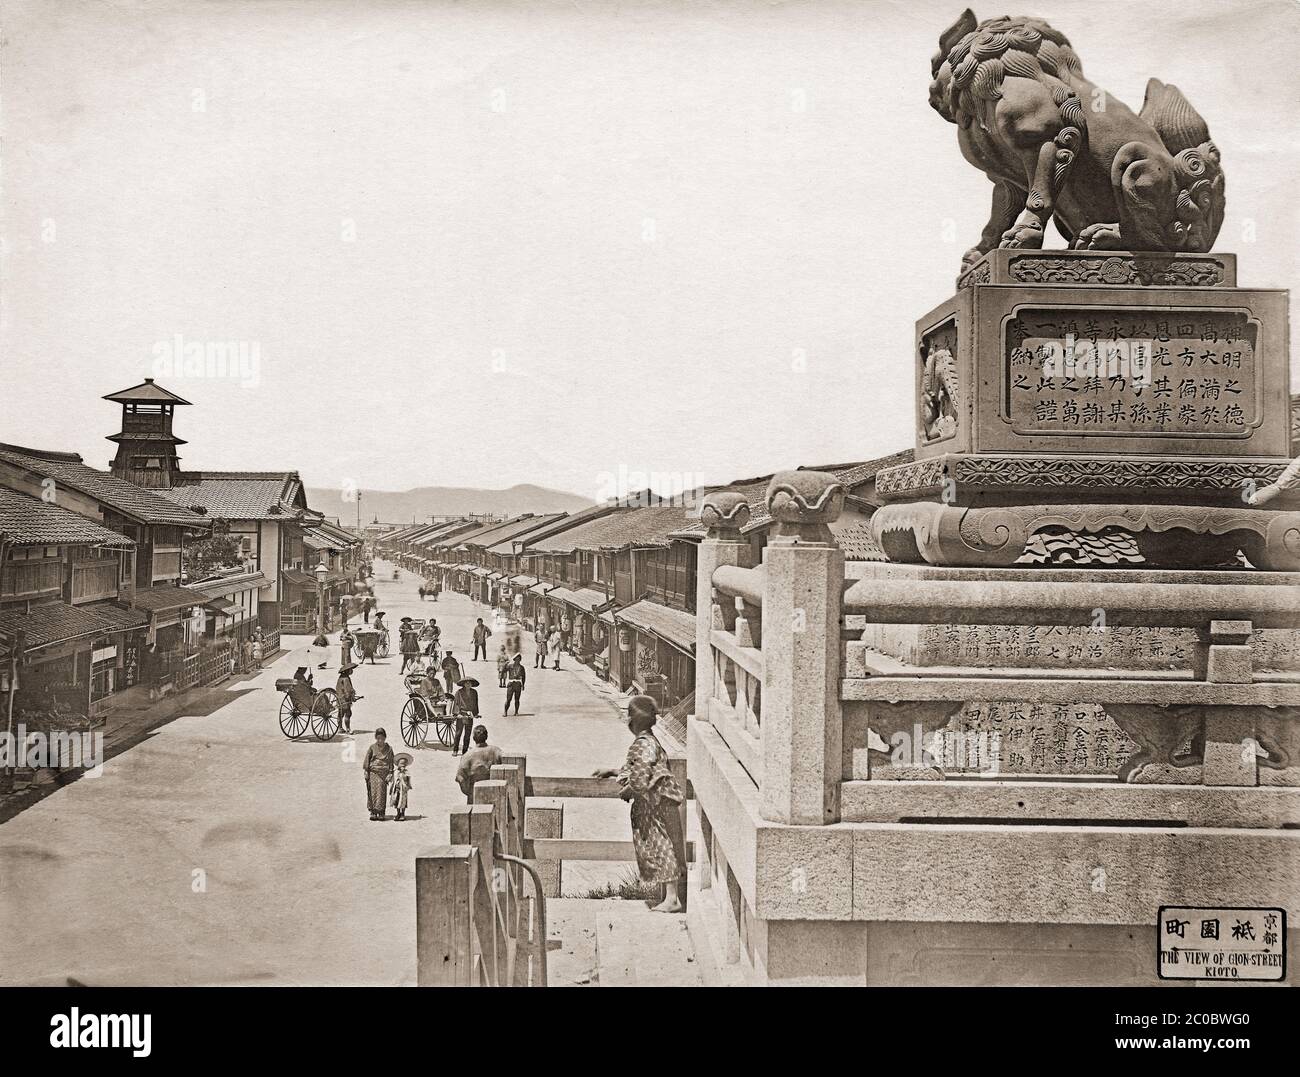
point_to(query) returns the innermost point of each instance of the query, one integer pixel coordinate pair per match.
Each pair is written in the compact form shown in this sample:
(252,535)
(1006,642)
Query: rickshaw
(370,642)
(419,713)
(303,705)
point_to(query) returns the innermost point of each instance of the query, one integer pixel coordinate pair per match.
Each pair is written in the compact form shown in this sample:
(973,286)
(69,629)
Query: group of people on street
(654,795)
(547,644)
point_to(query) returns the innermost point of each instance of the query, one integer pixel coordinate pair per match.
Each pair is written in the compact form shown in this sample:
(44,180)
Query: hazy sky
(483,243)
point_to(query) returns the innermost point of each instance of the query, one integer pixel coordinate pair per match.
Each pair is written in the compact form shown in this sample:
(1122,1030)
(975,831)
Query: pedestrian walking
(347,695)
(481,633)
(410,645)
(477,763)
(503,662)
(655,797)
(464,706)
(539,647)
(401,790)
(378,768)
(554,642)
(451,672)
(345,607)
(366,605)
(259,651)
(566,630)
(346,641)
(515,677)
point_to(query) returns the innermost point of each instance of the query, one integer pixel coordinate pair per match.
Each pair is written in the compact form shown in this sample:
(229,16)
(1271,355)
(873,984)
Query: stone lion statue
(1058,147)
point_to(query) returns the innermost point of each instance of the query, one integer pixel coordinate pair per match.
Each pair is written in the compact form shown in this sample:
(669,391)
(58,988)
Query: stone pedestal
(1130,395)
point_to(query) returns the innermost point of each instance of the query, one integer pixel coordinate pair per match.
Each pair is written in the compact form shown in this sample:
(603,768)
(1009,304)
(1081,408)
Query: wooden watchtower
(146,446)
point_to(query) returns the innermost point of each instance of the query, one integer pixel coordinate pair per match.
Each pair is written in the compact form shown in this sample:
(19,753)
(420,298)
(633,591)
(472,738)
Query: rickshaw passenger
(430,688)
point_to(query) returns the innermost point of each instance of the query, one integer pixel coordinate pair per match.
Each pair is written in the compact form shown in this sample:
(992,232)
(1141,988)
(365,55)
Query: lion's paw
(1099,237)
(1024,233)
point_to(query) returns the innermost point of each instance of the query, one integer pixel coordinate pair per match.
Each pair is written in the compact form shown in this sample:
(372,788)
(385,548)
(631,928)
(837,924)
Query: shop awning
(479,572)
(298,577)
(166,598)
(674,627)
(587,599)
(497,576)
(539,588)
(523,581)
(219,605)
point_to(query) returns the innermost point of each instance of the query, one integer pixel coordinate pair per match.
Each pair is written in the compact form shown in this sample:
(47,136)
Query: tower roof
(147,392)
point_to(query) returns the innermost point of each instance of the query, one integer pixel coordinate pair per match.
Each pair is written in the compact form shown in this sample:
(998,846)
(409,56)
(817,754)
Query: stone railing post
(724,513)
(802,721)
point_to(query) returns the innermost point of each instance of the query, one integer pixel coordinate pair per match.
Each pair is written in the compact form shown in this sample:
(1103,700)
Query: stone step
(617,943)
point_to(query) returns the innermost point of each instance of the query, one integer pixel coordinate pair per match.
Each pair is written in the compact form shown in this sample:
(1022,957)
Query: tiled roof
(57,622)
(653,525)
(564,523)
(29,521)
(452,539)
(67,469)
(118,618)
(854,536)
(239,495)
(344,534)
(147,392)
(486,536)
(317,538)
(442,531)
(676,627)
(519,530)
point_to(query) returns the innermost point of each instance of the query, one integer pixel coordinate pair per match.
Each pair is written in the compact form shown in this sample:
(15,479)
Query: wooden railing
(478,923)
(545,842)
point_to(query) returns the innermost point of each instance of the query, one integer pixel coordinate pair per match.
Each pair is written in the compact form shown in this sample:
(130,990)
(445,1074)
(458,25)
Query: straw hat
(468,682)
(403,757)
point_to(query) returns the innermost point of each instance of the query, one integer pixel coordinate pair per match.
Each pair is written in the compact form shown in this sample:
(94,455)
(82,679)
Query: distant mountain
(401,507)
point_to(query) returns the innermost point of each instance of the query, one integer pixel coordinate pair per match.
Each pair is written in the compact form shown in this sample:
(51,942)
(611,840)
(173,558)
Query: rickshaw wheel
(447,731)
(293,723)
(414,723)
(324,714)
(382,649)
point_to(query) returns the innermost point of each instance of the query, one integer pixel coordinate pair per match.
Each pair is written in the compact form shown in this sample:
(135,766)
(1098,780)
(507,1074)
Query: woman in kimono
(656,799)
(378,767)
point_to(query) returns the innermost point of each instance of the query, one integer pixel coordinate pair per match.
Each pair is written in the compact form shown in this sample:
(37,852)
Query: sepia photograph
(653,494)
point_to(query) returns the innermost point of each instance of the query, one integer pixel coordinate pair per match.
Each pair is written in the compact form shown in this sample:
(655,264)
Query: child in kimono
(401,789)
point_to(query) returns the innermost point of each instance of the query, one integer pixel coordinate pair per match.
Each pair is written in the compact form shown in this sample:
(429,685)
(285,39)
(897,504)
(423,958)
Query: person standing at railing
(656,800)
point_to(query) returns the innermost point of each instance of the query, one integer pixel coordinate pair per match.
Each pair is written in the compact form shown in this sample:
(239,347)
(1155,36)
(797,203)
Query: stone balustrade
(828,698)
